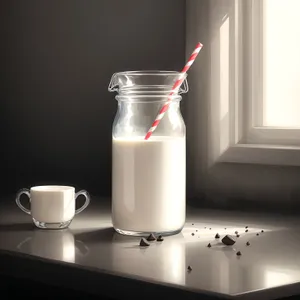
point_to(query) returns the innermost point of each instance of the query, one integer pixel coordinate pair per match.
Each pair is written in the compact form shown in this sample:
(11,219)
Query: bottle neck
(148,99)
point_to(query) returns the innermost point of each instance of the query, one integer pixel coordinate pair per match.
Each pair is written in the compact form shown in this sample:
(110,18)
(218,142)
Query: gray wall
(56,61)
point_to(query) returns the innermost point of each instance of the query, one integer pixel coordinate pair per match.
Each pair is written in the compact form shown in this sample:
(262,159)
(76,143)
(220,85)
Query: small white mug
(52,206)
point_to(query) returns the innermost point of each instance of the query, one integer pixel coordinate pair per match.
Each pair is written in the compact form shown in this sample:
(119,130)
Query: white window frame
(250,142)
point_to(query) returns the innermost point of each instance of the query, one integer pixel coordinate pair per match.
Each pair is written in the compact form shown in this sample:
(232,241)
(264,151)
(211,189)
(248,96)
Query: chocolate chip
(228,240)
(237,235)
(246,230)
(193,233)
(246,227)
(262,231)
(144,243)
(189,268)
(160,238)
(239,253)
(257,234)
(151,237)
(248,243)
(217,236)
(209,245)
(236,232)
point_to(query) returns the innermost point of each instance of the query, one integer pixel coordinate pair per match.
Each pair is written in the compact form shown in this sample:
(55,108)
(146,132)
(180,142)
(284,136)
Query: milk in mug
(149,184)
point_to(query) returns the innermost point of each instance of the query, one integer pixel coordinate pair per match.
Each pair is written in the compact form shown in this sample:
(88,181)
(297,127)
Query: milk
(148,192)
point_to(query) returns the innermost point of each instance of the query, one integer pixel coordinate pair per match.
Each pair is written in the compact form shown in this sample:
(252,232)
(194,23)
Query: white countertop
(267,269)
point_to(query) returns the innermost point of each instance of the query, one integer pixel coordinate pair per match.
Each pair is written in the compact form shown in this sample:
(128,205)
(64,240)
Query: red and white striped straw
(174,90)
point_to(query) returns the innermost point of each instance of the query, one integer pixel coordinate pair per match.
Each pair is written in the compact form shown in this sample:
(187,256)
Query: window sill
(262,154)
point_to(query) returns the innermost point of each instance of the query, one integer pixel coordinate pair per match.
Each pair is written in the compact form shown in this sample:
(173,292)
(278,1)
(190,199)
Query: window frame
(252,142)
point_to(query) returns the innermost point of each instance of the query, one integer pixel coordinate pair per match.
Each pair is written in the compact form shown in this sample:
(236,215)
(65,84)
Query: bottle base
(146,233)
(44,225)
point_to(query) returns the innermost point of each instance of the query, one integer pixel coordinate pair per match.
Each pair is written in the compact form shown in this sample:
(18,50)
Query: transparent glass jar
(148,176)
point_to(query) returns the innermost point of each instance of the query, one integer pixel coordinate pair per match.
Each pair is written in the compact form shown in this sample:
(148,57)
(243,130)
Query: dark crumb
(144,243)
(237,235)
(209,228)
(228,240)
(257,234)
(239,253)
(248,243)
(160,238)
(193,233)
(217,236)
(151,237)
(196,230)
(246,227)
(189,268)
(192,223)
(236,232)
(204,227)
(225,228)
(246,230)
(262,231)
(209,245)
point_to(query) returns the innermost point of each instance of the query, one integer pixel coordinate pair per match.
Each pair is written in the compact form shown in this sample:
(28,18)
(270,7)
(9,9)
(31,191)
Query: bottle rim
(147,83)
(151,72)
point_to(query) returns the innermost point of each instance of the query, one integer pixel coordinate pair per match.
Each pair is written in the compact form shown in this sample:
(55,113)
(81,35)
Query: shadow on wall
(211,83)
(57,59)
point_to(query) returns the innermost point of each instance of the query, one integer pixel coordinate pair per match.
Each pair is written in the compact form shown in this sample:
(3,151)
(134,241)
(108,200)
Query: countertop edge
(88,279)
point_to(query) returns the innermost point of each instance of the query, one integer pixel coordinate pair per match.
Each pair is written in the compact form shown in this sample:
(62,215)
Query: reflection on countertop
(271,260)
(53,244)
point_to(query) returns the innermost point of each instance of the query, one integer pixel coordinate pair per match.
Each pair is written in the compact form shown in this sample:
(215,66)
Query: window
(275,73)
(265,98)
(281,63)
(242,141)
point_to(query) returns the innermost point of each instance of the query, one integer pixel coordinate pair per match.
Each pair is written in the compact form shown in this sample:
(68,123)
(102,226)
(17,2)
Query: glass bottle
(148,176)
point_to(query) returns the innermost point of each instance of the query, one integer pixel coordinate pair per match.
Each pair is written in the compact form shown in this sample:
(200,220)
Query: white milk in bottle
(148,176)
(148,184)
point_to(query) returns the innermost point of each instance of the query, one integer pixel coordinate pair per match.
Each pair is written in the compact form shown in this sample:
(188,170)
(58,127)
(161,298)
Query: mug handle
(86,203)
(18,202)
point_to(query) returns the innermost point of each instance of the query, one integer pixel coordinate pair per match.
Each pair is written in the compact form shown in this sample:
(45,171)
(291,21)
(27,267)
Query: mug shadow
(95,236)
(17,227)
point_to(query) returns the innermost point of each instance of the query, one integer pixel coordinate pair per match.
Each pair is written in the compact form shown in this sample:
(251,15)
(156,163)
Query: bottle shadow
(96,236)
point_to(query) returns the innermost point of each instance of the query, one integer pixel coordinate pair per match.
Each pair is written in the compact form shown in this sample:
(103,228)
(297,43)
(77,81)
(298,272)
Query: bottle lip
(151,72)
(147,82)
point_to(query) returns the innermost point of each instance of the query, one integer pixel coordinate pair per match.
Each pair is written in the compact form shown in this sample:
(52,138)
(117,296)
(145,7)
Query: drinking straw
(174,90)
